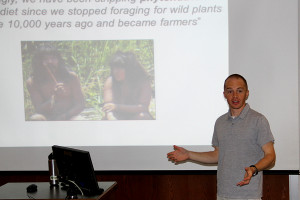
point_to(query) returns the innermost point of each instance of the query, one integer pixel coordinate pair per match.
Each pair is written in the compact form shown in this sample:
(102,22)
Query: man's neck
(236,112)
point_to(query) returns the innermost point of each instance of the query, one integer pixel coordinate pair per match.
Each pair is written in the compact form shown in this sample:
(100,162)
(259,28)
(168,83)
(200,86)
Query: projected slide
(112,72)
(88,80)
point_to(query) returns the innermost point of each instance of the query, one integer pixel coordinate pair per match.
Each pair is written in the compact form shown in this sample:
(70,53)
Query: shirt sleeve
(264,131)
(215,141)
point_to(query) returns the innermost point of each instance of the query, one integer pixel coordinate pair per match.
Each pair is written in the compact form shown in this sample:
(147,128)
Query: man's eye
(240,91)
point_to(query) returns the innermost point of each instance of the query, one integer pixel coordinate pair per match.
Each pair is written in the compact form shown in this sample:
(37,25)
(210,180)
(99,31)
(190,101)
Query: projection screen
(183,49)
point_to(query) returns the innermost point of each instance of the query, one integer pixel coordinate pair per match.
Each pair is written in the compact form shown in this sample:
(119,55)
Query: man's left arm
(266,162)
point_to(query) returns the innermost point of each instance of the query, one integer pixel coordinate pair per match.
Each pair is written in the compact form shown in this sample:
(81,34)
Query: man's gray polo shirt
(240,142)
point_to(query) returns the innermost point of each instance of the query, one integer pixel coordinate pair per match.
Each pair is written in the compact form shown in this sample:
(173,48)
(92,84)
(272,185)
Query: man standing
(243,146)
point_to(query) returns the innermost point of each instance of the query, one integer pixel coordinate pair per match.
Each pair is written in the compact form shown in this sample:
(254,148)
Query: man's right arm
(180,154)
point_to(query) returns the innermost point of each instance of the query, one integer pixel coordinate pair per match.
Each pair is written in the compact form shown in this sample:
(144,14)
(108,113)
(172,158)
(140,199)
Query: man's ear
(247,94)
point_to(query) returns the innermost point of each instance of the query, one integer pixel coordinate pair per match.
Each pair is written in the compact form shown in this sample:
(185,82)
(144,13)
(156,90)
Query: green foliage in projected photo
(89,60)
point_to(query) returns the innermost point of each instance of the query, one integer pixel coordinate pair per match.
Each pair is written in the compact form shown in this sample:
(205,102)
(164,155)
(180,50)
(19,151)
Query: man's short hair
(237,76)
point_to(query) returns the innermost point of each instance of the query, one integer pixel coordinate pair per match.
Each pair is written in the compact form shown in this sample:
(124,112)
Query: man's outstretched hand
(247,177)
(179,154)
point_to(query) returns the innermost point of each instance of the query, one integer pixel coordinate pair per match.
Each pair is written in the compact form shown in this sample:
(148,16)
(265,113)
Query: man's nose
(234,94)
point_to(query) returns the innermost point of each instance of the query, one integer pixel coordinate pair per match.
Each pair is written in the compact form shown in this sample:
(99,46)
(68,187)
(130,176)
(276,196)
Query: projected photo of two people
(88,80)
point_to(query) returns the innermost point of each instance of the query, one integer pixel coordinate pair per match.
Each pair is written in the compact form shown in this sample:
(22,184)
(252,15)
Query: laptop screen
(76,169)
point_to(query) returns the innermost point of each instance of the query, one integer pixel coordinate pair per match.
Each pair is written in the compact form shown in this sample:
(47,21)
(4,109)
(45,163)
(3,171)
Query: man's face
(236,94)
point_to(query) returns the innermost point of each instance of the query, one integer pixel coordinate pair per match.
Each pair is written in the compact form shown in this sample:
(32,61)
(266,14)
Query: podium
(18,191)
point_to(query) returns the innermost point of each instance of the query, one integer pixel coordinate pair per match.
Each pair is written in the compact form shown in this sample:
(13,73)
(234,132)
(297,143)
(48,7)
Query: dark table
(44,191)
